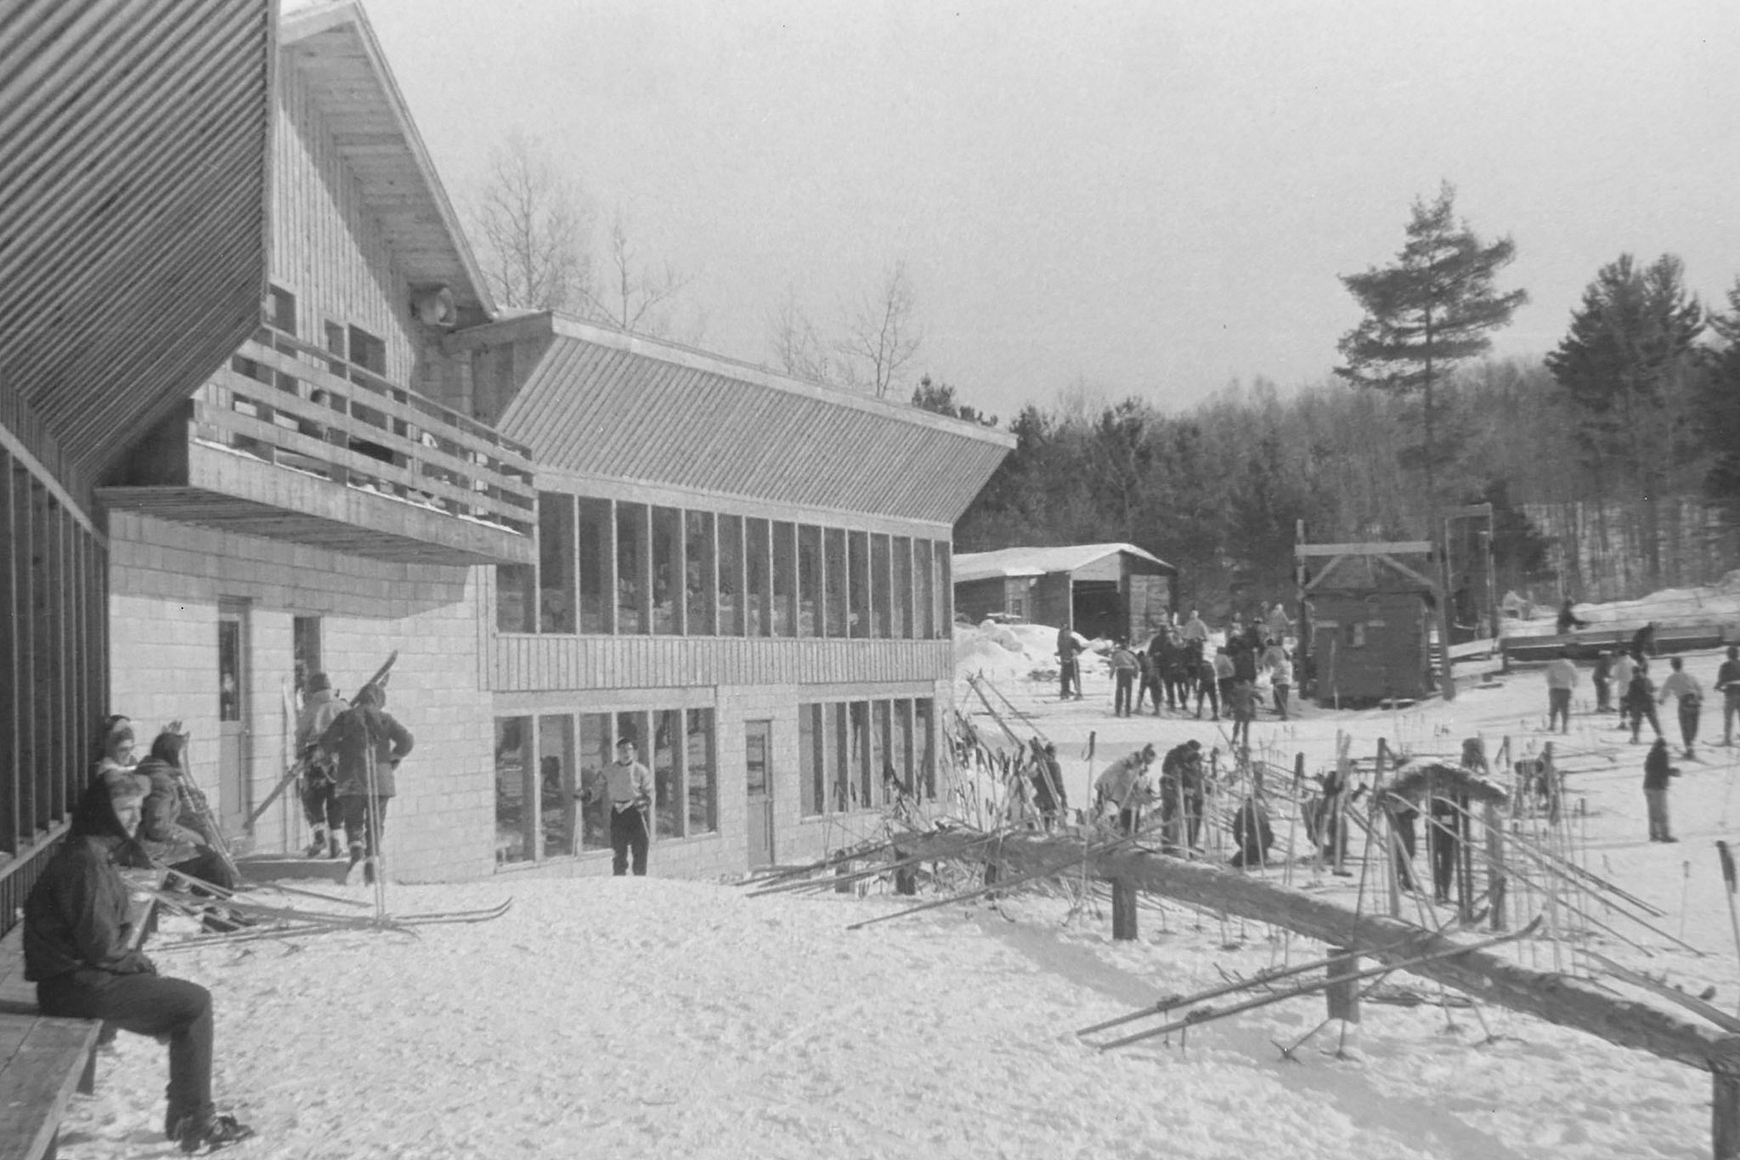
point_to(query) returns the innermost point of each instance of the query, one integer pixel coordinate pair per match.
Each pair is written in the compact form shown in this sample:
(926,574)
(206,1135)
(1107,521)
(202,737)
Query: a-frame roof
(333,45)
(1008,562)
(1368,572)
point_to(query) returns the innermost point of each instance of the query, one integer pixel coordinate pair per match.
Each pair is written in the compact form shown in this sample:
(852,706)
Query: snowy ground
(671,1018)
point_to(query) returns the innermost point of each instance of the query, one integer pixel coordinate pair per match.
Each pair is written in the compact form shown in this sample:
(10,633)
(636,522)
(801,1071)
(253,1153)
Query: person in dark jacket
(1656,772)
(318,788)
(1252,834)
(167,832)
(1569,621)
(368,745)
(1639,702)
(1049,798)
(77,950)
(1602,677)
(1728,683)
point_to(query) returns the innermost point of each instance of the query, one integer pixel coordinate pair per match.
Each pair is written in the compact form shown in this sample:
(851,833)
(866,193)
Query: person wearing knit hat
(368,745)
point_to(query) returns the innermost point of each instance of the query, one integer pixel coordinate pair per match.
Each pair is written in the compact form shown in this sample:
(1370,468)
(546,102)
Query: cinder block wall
(166,581)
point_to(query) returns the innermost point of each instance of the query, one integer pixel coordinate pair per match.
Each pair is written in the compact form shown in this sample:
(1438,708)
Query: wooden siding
(135,136)
(327,248)
(1391,663)
(532,663)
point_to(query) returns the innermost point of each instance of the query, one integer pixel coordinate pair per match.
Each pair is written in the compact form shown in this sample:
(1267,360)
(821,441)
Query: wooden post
(1495,875)
(1343,993)
(906,881)
(1390,842)
(844,870)
(991,876)
(1123,910)
(1447,666)
(1725,1115)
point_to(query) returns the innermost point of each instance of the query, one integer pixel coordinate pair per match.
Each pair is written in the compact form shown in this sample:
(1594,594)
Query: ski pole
(1685,888)
(1727,858)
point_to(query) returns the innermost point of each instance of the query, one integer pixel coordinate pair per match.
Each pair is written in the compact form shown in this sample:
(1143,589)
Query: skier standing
(1640,702)
(1683,685)
(629,786)
(368,745)
(1728,680)
(319,791)
(1656,772)
(1561,679)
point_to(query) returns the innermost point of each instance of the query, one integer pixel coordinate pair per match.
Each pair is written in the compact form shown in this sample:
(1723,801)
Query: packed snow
(654,1017)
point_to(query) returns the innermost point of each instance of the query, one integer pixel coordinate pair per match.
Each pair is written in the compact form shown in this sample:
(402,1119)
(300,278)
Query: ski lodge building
(287,430)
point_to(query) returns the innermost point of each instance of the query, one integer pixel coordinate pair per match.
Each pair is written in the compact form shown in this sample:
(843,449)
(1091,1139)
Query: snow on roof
(1039,561)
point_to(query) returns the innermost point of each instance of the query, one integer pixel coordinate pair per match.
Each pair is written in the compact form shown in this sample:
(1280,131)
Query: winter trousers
(1281,690)
(1069,673)
(365,823)
(1559,708)
(172,1009)
(1730,710)
(628,832)
(1603,697)
(1658,814)
(1640,714)
(1121,699)
(1211,690)
(320,804)
(1690,711)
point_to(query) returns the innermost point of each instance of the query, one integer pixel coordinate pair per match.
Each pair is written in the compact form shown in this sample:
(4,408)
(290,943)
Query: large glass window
(809,581)
(924,745)
(858,587)
(839,757)
(667,555)
(596,566)
(515,818)
(903,587)
(633,600)
(699,762)
(758,564)
(903,763)
(923,584)
(881,614)
(555,562)
(858,756)
(698,571)
(834,568)
(556,787)
(784,579)
(664,758)
(945,591)
(515,597)
(812,761)
(881,752)
(595,754)
(730,576)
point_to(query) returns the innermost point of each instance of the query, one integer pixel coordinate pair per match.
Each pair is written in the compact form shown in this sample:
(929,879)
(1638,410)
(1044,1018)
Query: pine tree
(1627,364)
(1433,308)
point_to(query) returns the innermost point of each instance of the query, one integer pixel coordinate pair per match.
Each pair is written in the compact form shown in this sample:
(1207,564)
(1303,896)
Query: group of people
(1628,672)
(1128,788)
(1177,665)
(349,757)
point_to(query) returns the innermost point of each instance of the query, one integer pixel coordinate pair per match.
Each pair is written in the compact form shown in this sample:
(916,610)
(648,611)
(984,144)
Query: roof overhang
(133,256)
(608,404)
(1015,563)
(335,48)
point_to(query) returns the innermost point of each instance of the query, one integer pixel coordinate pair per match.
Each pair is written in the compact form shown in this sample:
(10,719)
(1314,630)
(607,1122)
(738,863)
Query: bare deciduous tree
(630,295)
(798,348)
(533,226)
(881,334)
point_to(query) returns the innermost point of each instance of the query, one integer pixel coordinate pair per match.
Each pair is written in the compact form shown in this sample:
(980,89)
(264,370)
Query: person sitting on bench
(78,952)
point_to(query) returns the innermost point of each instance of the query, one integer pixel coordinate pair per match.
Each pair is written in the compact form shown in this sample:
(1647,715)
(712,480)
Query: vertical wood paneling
(10,677)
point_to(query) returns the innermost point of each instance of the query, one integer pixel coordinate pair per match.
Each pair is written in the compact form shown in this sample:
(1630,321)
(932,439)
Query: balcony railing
(292,404)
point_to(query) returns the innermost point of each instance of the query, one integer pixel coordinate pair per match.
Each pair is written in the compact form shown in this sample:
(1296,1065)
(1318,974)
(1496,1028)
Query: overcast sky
(1152,198)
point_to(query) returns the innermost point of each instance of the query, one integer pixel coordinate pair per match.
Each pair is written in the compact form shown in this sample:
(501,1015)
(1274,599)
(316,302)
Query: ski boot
(207,1131)
(317,847)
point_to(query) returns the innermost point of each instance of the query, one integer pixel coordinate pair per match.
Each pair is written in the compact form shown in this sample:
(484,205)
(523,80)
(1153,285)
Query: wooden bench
(42,1058)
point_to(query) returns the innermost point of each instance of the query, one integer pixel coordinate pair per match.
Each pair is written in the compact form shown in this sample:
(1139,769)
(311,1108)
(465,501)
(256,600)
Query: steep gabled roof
(1368,573)
(1041,561)
(604,403)
(333,45)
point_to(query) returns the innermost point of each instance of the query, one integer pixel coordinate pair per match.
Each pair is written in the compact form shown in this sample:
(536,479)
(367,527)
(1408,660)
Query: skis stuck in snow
(1206,1014)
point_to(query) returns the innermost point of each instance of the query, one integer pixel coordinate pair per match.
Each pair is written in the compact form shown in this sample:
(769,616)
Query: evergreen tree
(1719,404)
(1430,310)
(1627,364)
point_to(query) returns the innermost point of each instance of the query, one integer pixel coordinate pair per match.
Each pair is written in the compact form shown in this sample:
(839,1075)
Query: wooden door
(758,745)
(231,806)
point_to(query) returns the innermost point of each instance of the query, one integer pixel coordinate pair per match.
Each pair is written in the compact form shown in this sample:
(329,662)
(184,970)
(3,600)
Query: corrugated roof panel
(622,408)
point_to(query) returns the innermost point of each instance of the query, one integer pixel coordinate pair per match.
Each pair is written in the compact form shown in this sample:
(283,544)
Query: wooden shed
(1110,590)
(1371,622)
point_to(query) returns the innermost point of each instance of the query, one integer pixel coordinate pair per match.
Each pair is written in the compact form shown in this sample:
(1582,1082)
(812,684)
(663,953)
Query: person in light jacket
(628,786)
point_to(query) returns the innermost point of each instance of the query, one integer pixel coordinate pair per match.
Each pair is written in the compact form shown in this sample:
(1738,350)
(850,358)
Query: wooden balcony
(291,442)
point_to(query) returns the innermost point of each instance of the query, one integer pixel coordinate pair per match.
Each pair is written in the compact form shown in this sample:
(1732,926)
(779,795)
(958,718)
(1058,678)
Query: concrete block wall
(166,582)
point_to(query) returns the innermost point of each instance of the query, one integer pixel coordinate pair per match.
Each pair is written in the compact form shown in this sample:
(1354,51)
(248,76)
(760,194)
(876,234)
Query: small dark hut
(1371,620)
(1111,590)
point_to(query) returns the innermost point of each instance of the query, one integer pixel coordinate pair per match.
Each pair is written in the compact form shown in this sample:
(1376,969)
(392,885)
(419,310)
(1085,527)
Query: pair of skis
(1203,1014)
